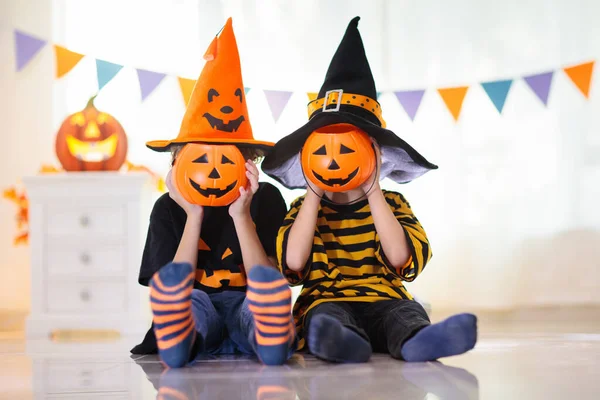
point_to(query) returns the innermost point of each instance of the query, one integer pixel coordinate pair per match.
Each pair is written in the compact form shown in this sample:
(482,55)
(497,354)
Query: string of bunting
(28,46)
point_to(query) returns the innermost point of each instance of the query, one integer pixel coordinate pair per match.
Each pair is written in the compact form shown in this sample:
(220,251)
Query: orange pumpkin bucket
(338,158)
(210,175)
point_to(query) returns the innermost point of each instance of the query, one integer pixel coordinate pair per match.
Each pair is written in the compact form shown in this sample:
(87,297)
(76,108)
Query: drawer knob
(85,258)
(84,295)
(84,220)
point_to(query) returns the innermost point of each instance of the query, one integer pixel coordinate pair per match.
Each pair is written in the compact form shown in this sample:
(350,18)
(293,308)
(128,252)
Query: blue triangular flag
(378,95)
(106,71)
(497,91)
(26,46)
(246,90)
(149,80)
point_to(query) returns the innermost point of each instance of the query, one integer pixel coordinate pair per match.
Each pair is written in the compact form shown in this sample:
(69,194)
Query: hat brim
(165,145)
(277,163)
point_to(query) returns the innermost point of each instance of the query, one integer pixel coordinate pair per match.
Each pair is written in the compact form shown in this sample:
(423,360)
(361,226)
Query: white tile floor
(535,355)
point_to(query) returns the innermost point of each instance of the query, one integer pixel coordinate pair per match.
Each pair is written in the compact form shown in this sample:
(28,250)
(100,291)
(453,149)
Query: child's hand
(241,206)
(371,186)
(192,210)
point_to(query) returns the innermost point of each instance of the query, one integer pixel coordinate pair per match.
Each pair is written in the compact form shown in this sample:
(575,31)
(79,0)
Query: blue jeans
(224,322)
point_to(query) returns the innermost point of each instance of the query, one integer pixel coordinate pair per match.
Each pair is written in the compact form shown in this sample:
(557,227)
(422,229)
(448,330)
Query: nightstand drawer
(63,377)
(73,296)
(86,221)
(86,260)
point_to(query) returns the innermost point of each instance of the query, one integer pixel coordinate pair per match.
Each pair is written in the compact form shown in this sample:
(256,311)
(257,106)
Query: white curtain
(513,212)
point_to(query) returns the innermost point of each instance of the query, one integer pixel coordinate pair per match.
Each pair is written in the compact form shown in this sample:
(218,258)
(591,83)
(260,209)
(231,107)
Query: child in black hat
(351,249)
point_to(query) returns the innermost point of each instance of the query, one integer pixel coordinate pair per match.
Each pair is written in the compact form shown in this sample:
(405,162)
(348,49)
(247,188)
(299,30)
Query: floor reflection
(305,377)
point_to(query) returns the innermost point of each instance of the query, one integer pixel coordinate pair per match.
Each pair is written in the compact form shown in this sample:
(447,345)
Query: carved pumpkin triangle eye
(345,150)
(203,159)
(225,160)
(321,151)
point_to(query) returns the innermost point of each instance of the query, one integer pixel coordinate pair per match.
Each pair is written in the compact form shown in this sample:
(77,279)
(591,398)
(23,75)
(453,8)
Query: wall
(27,135)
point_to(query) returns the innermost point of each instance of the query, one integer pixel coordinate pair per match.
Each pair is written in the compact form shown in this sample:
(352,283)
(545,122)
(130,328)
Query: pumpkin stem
(90,102)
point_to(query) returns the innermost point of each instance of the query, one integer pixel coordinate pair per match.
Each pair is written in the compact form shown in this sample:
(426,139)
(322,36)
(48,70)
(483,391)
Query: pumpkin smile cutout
(219,123)
(210,175)
(338,158)
(91,140)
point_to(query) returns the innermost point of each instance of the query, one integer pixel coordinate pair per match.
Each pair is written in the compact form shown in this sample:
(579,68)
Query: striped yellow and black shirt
(347,262)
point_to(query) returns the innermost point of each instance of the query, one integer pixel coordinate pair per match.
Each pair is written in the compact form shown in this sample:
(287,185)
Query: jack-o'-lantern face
(338,158)
(226,109)
(91,140)
(210,175)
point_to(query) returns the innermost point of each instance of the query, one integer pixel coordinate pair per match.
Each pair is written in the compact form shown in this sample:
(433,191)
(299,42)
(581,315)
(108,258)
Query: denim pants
(224,322)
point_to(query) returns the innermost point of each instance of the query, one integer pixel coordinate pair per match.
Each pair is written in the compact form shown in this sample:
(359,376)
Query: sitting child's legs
(390,323)
(265,317)
(171,303)
(402,328)
(209,324)
(333,334)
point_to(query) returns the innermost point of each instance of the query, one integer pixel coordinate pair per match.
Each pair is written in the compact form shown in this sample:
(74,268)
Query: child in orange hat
(213,285)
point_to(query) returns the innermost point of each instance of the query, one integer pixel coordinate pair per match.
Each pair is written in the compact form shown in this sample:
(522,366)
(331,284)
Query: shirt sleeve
(415,235)
(161,242)
(295,278)
(271,212)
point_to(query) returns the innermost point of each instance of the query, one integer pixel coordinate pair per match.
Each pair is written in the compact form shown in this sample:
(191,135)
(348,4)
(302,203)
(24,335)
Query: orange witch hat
(217,111)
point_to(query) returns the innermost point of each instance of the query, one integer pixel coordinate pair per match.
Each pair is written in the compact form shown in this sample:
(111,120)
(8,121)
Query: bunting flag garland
(410,100)
(187,87)
(454,97)
(581,75)
(149,80)
(106,72)
(277,100)
(540,84)
(27,46)
(497,91)
(66,60)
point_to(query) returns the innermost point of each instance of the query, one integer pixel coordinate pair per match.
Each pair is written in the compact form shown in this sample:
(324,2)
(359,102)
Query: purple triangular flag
(277,101)
(540,84)
(149,80)
(410,101)
(26,46)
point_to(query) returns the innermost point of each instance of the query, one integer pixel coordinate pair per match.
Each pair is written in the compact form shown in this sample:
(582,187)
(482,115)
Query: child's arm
(302,232)
(187,251)
(391,233)
(253,252)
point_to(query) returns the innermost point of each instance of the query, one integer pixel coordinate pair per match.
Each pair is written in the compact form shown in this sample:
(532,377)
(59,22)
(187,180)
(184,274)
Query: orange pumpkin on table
(338,158)
(91,140)
(210,175)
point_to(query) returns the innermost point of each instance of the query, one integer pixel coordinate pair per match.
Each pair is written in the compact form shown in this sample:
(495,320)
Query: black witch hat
(348,95)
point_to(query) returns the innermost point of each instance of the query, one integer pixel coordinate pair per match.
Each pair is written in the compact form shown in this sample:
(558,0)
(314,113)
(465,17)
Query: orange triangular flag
(581,75)
(312,96)
(453,97)
(66,60)
(187,87)
(227,253)
(202,245)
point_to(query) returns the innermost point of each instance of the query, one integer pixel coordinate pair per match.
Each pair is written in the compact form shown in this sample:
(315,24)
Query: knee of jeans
(199,297)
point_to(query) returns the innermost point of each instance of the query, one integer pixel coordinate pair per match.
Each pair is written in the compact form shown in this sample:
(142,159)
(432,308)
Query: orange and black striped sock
(270,301)
(171,302)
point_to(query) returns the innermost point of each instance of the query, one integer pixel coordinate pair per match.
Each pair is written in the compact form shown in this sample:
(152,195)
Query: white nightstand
(86,235)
